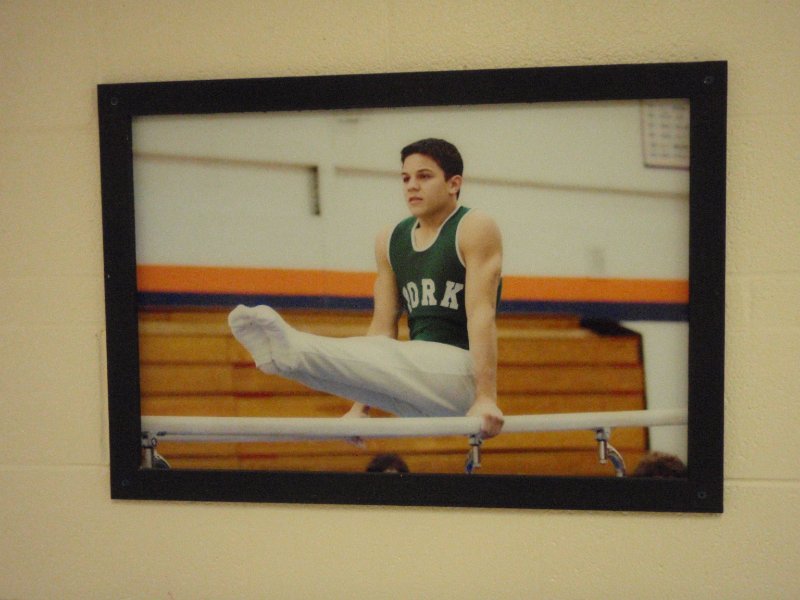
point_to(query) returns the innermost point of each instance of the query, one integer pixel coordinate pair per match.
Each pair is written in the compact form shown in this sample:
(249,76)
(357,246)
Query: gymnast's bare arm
(481,247)
(386,313)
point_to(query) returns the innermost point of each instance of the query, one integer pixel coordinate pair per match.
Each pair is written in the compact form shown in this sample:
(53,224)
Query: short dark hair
(443,152)
(387,462)
(660,464)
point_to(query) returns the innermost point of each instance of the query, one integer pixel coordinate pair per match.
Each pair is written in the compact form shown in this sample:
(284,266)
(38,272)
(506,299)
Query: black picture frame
(704,84)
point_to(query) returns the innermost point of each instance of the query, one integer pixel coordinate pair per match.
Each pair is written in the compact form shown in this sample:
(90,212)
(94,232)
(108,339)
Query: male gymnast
(442,266)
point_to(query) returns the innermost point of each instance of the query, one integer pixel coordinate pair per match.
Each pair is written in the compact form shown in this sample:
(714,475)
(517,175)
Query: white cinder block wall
(62,537)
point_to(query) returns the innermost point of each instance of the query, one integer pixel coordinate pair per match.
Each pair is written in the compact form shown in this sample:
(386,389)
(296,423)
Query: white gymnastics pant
(406,378)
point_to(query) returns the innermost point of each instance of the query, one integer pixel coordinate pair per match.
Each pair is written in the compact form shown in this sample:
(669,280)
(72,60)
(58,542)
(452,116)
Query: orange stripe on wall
(229,280)
(579,289)
(313,282)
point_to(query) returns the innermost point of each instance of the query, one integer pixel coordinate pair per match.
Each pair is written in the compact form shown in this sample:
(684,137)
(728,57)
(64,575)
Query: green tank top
(431,282)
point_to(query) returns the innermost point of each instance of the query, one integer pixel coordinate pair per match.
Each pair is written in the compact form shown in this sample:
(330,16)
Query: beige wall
(61,536)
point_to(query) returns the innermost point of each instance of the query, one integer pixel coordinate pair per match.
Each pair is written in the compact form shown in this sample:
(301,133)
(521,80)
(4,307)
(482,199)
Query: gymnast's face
(428,193)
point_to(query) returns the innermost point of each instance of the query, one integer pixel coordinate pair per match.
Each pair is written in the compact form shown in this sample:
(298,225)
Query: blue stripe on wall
(617,311)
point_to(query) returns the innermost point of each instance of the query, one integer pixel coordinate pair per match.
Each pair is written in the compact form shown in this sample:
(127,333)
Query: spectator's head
(660,464)
(387,463)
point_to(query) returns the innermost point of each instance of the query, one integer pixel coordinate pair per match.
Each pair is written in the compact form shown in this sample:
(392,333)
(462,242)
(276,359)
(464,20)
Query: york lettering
(411,294)
(428,291)
(424,294)
(450,300)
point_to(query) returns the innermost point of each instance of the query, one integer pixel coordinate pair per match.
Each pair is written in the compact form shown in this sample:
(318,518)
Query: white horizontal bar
(263,429)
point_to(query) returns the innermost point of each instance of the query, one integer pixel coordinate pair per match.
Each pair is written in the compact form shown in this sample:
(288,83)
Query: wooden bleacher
(192,365)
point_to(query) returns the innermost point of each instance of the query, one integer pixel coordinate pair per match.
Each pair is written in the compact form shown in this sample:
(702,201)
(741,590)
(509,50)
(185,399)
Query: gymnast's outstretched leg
(412,378)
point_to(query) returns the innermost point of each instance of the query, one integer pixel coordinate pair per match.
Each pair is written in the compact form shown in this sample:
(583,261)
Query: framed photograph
(607,187)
